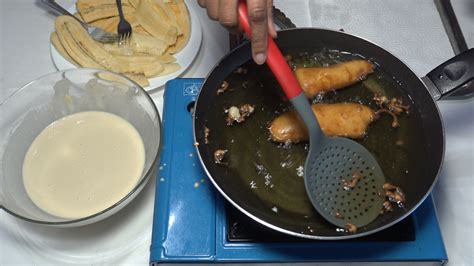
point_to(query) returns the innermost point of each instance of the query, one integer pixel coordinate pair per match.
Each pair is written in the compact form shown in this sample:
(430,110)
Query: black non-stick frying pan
(263,179)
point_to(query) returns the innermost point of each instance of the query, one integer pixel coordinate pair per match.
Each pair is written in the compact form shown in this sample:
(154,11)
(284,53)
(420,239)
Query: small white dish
(184,58)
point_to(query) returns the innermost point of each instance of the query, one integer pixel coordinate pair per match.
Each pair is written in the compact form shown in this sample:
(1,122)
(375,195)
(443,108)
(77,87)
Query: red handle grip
(275,60)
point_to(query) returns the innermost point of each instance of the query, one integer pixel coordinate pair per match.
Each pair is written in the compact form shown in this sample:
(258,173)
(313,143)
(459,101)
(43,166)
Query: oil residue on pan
(271,173)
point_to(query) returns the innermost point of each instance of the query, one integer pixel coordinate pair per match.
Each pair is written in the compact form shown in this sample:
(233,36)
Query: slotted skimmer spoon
(332,164)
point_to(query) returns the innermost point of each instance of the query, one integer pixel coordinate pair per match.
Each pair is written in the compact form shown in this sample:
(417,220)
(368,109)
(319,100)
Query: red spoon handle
(275,60)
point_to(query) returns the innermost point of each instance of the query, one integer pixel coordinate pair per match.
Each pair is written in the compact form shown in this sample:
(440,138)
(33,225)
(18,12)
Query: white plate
(183,58)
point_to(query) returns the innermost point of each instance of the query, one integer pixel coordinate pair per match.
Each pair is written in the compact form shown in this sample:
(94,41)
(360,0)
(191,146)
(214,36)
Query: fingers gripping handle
(275,59)
(285,76)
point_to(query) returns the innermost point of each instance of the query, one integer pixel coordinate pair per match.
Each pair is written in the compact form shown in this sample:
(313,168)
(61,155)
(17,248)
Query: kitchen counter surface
(25,55)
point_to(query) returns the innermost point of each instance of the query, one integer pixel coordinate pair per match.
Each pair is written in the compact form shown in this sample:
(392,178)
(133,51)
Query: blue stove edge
(189,223)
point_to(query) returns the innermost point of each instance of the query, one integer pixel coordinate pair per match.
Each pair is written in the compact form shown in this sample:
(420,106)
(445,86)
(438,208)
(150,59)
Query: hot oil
(395,148)
(272,172)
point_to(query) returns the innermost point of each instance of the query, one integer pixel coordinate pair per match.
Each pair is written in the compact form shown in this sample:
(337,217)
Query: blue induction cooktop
(193,223)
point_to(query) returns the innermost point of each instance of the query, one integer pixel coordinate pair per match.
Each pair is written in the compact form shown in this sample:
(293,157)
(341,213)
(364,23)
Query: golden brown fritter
(314,80)
(338,119)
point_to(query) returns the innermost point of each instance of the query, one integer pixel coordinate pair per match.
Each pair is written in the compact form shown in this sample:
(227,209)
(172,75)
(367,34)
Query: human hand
(260,17)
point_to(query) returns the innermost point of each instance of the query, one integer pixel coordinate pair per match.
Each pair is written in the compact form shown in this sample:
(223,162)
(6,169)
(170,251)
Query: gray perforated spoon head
(343,180)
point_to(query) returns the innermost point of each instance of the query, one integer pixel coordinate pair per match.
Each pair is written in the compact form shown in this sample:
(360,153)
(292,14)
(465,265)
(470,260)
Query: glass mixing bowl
(39,103)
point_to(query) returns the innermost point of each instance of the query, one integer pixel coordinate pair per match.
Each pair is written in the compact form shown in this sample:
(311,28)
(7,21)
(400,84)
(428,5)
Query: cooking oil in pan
(269,175)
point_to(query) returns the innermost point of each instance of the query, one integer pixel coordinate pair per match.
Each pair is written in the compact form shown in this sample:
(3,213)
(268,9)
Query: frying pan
(262,178)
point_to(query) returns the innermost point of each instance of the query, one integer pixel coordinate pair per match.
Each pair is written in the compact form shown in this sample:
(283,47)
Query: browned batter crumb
(380,99)
(219,156)
(394,193)
(395,196)
(388,186)
(397,107)
(387,206)
(394,107)
(247,109)
(351,229)
(207,131)
(348,185)
(233,115)
(224,86)
(338,215)
(395,123)
(236,114)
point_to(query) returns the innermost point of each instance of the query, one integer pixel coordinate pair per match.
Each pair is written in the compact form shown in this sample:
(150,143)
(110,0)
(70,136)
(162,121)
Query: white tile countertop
(125,237)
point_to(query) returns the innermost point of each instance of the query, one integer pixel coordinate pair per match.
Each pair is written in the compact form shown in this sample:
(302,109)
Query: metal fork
(124,28)
(96,33)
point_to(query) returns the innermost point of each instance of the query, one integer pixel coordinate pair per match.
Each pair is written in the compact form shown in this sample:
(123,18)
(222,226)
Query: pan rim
(319,237)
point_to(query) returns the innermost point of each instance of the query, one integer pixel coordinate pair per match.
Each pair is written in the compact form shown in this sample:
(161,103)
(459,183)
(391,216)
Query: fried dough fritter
(339,119)
(314,80)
